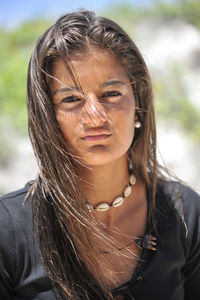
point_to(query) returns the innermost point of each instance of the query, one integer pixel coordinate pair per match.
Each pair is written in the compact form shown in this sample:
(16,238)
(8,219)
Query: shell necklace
(118,200)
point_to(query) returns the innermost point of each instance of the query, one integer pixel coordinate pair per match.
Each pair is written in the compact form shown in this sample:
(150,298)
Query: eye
(71,99)
(111,94)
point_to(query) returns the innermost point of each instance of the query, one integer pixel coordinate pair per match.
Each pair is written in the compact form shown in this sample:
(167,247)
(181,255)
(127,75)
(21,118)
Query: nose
(93,113)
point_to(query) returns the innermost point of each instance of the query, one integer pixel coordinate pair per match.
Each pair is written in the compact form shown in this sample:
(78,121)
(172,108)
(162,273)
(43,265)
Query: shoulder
(15,230)
(185,204)
(183,198)
(180,207)
(15,211)
(12,204)
(15,217)
(20,193)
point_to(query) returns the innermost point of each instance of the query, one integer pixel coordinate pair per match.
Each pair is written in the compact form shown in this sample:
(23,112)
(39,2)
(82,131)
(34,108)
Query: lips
(98,137)
(94,135)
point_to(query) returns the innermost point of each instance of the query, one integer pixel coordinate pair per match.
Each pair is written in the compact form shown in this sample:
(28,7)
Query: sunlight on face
(98,120)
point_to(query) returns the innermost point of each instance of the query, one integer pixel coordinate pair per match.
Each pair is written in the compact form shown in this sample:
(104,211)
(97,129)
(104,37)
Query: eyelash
(111,94)
(71,99)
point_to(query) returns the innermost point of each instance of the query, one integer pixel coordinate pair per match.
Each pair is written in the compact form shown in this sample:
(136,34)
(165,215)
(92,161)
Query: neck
(103,184)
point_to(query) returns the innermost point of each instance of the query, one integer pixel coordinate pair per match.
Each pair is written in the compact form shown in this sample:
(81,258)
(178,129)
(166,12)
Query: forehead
(90,67)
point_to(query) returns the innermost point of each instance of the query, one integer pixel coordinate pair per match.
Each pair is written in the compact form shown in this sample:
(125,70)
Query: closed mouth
(96,137)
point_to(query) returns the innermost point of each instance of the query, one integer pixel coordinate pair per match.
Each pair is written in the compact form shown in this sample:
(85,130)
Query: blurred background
(168,35)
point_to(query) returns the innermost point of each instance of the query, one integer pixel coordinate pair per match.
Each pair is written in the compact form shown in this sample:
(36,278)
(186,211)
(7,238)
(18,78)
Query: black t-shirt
(172,272)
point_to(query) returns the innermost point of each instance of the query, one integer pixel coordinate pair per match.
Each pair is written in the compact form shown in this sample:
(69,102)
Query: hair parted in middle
(61,220)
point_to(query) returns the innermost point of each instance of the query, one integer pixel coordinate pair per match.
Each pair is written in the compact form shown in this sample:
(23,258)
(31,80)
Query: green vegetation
(185,9)
(173,105)
(16,47)
(188,10)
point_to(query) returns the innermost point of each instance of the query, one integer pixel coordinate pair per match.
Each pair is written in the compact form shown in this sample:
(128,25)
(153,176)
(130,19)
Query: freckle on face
(78,119)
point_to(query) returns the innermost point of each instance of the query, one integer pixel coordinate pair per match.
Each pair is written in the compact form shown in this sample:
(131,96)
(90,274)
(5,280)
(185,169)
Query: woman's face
(98,121)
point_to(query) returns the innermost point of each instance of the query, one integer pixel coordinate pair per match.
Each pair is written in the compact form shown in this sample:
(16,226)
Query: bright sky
(13,12)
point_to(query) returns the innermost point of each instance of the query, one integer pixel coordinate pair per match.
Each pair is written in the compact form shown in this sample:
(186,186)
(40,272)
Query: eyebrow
(65,89)
(111,82)
(102,85)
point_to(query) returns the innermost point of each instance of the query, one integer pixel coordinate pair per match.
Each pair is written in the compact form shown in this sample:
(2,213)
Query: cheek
(124,124)
(66,123)
(61,118)
(128,128)
(124,115)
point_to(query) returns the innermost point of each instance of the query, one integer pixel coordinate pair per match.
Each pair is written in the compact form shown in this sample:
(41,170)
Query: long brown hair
(62,223)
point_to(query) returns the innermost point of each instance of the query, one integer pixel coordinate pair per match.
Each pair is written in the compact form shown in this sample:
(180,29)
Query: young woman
(106,222)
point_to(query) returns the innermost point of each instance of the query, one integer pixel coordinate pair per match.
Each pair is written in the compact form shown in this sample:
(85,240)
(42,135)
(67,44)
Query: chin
(101,155)
(96,162)
(102,160)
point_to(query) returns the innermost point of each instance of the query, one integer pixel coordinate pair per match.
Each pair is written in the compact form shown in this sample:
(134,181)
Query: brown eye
(71,99)
(111,94)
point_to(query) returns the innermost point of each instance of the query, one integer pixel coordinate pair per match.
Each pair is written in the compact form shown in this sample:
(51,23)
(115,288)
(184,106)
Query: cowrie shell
(127,191)
(118,201)
(103,207)
(132,179)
